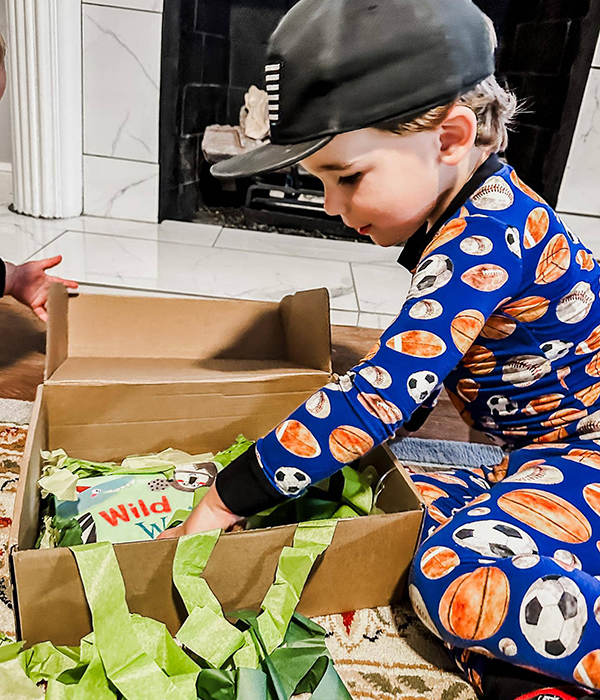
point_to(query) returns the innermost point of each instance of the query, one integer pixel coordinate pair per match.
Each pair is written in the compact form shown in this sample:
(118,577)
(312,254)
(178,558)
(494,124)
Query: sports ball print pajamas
(503,310)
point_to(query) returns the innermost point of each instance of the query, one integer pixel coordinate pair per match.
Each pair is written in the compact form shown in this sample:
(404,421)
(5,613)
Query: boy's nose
(334,205)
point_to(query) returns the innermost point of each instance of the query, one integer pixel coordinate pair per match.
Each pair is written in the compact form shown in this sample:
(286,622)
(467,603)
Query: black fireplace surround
(213,50)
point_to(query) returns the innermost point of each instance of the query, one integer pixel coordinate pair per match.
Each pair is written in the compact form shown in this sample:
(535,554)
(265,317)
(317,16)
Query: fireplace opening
(213,57)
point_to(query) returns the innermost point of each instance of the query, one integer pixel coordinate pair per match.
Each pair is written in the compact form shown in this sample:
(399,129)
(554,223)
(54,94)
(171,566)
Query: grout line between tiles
(214,245)
(39,250)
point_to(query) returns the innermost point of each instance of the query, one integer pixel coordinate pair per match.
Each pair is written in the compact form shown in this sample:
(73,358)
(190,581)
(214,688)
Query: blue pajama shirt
(504,311)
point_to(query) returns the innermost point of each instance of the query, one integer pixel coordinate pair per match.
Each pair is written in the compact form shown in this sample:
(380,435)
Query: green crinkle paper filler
(127,665)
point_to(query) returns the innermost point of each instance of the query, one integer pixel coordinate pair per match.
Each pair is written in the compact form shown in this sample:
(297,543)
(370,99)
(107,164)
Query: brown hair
(494,106)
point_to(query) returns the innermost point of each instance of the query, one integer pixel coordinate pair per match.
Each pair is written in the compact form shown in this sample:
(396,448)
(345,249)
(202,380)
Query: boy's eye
(349,179)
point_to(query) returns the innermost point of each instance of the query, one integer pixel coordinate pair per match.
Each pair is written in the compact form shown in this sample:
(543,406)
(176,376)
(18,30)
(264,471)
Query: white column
(44,75)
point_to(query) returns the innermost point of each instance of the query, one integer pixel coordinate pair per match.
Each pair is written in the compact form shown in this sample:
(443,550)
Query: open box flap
(96,338)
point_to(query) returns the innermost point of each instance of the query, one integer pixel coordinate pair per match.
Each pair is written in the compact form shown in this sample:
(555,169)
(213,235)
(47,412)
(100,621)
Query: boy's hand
(210,514)
(29,283)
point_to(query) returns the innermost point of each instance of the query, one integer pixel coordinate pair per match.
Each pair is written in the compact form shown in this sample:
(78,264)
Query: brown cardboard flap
(102,338)
(25,524)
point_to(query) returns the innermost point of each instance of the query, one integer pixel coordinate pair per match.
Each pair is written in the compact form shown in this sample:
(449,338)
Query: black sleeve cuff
(244,488)
(2,277)
(418,419)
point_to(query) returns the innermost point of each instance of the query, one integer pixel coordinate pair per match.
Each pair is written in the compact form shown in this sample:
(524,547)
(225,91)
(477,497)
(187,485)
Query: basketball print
(575,305)
(554,261)
(318,405)
(585,260)
(498,327)
(297,439)
(378,377)
(465,328)
(438,562)
(486,277)
(527,309)
(562,374)
(553,436)
(476,245)
(447,233)
(437,514)
(479,360)
(417,344)
(589,395)
(467,389)
(386,411)
(493,195)
(587,671)
(590,344)
(591,493)
(347,443)
(426,309)
(536,227)
(543,404)
(525,370)
(474,605)
(547,513)
(525,188)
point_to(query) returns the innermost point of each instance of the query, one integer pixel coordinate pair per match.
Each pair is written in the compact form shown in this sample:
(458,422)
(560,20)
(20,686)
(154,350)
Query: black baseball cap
(339,65)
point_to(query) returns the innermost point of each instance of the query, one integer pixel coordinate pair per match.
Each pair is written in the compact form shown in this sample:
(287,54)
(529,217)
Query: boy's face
(384,185)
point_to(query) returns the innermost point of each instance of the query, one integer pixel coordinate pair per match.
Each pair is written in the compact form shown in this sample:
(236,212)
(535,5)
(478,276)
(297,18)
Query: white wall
(5,123)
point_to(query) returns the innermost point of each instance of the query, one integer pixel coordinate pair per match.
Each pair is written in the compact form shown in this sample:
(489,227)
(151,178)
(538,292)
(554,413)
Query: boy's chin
(387,239)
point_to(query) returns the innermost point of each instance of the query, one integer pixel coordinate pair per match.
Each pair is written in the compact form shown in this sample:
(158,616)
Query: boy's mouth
(364,230)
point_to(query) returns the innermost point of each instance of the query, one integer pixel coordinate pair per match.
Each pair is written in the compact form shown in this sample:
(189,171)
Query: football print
(417,344)
(589,395)
(474,605)
(590,344)
(493,195)
(467,389)
(590,458)
(493,538)
(447,233)
(386,411)
(486,277)
(297,439)
(542,404)
(536,228)
(479,360)
(585,260)
(553,615)
(438,562)
(525,188)
(587,671)
(547,513)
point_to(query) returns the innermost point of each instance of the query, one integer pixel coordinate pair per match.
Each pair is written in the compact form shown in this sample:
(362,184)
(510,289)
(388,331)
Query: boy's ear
(458,133)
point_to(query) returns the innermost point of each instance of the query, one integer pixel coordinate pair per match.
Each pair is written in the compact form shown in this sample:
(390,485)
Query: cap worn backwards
(339,65)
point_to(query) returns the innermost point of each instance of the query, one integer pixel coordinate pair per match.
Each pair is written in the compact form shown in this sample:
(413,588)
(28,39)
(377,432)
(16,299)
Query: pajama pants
(511,570)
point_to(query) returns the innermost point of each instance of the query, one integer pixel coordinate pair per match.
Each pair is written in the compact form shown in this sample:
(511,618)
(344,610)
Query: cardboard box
(129,375)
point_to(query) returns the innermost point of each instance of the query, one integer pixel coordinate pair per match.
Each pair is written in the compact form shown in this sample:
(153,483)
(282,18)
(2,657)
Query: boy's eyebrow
(334,166)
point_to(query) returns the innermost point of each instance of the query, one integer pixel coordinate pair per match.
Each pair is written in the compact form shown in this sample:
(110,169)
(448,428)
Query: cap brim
(267,158)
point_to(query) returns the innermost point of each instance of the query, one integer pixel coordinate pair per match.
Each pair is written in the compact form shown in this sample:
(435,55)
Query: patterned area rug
(381,654)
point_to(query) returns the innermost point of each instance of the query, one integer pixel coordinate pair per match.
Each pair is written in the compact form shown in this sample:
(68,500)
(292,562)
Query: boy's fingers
(68,283)
(40,311)
(51,262)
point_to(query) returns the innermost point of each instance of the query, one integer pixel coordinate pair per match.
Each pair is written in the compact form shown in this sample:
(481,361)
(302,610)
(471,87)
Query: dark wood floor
(22,345)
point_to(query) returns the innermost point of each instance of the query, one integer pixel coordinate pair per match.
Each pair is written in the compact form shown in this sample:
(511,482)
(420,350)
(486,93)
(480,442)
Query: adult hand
(210,514)
(29,283)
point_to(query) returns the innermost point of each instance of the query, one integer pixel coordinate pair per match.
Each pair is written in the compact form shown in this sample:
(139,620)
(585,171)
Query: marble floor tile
(381,289)
(307,247)
(148,5)
(197,270)
(380,321)
(344,318)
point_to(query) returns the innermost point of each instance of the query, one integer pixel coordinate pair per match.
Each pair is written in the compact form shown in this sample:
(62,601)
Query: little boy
(28,283)
(393,105)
